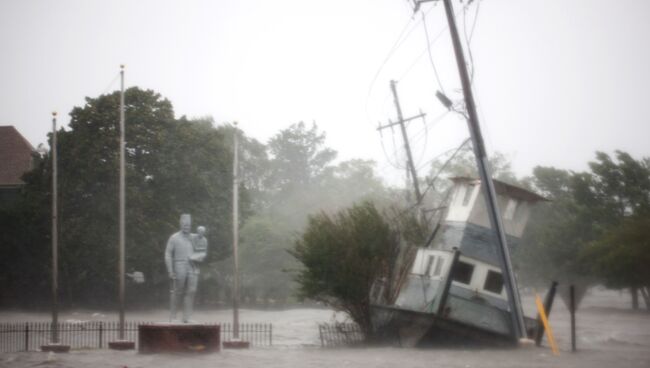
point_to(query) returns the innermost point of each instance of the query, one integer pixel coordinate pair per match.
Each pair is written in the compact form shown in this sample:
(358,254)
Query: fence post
(101,333)
(572,310)
(26,336)
(270,334)
(320,333)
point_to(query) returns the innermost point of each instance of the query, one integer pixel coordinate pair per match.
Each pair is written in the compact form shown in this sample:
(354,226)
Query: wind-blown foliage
(342,255)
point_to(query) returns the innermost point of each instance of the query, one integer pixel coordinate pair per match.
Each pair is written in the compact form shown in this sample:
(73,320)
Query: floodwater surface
(609,335)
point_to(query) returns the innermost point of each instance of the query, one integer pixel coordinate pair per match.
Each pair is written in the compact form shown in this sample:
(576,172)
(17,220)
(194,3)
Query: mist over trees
(594,229)
(173,166)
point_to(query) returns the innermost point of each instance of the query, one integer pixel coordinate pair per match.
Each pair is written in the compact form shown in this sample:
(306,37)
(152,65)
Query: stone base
(55,348)
(236,344)
(186,338)
(121,345)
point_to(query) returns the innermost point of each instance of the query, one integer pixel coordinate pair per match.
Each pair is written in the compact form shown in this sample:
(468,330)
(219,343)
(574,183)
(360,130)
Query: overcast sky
(555,80)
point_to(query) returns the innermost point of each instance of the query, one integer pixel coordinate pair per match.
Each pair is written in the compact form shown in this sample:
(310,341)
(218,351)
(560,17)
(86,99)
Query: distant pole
(410,166)
(122,207)
(407,147)
(55,238)
(235,235)
(519,328)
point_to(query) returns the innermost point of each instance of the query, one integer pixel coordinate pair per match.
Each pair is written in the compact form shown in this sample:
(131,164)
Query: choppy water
(609,335)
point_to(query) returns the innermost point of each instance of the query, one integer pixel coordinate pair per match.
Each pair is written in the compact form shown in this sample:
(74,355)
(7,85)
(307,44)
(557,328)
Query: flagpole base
(236,344)
(121,345)
(55,348)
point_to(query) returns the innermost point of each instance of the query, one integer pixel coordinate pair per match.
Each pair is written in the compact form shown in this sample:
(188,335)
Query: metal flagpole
(235,236)
(122,207)
(55,236)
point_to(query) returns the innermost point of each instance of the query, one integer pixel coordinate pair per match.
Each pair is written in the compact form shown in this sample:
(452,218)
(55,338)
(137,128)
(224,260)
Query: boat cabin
(476,295)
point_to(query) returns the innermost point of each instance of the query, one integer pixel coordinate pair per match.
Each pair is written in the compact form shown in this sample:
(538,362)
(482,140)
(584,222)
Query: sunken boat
(452,290)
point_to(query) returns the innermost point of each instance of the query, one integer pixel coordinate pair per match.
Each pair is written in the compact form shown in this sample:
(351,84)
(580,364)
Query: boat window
(511,207)
(493,282)
(438,269)
(427,270)
(463,272)
(468,194)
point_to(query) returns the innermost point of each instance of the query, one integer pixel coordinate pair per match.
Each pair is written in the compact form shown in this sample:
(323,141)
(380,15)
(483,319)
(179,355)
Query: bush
(342,255)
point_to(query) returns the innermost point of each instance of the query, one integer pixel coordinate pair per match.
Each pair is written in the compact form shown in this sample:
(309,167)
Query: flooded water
(609,335)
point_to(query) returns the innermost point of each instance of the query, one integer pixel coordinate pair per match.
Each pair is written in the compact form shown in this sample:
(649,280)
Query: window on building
(427,270)
(463,272)
(511,207)
(438,269)
(468,194)
(494,282)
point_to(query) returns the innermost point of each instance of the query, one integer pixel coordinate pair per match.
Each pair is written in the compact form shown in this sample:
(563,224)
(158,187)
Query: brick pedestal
(236,344)
(56,348)
(187,338)
(121,345)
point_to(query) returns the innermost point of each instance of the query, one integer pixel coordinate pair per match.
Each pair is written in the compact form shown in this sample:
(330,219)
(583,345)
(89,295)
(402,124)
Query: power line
(431,182)
(468,39)
(433,65)
(117,75)
(433,41)
(403,36)
(383,148)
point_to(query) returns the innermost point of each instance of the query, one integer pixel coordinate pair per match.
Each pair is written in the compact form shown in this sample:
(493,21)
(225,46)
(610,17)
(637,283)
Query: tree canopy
(173,166)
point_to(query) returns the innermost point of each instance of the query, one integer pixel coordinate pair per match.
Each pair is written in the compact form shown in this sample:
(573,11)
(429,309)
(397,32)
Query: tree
(297,179)
(621,189)
(297,157)
(556,233)
(173,166)
(573,238)
(621,257)
(342,255)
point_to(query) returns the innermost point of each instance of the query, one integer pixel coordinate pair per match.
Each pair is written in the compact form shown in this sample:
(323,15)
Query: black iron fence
(258,334)
(340,334)
(26,336)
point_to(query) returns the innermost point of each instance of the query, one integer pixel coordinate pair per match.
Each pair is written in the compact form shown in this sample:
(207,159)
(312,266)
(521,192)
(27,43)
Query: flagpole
(55,239)
(122,199)
(235,237)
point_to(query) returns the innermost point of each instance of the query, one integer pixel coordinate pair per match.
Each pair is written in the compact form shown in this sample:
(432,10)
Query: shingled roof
(15,156)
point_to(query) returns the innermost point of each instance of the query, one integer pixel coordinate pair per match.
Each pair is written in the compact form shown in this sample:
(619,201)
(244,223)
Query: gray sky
(554,80)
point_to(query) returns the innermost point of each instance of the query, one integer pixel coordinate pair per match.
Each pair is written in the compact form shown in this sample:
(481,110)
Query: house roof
(15,156)
(505,189)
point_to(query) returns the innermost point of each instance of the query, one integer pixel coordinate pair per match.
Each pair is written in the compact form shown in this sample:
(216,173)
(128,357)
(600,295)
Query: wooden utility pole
(519,329)
(409,158)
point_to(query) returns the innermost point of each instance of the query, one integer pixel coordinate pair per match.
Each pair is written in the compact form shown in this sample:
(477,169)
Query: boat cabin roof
(504,189)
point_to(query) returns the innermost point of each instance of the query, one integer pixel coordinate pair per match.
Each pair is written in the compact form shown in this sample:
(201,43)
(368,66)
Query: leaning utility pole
(407,147)
(519,329)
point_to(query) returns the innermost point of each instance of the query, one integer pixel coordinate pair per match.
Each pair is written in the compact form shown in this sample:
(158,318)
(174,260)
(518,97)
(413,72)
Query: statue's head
(186,223)
(200,230)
